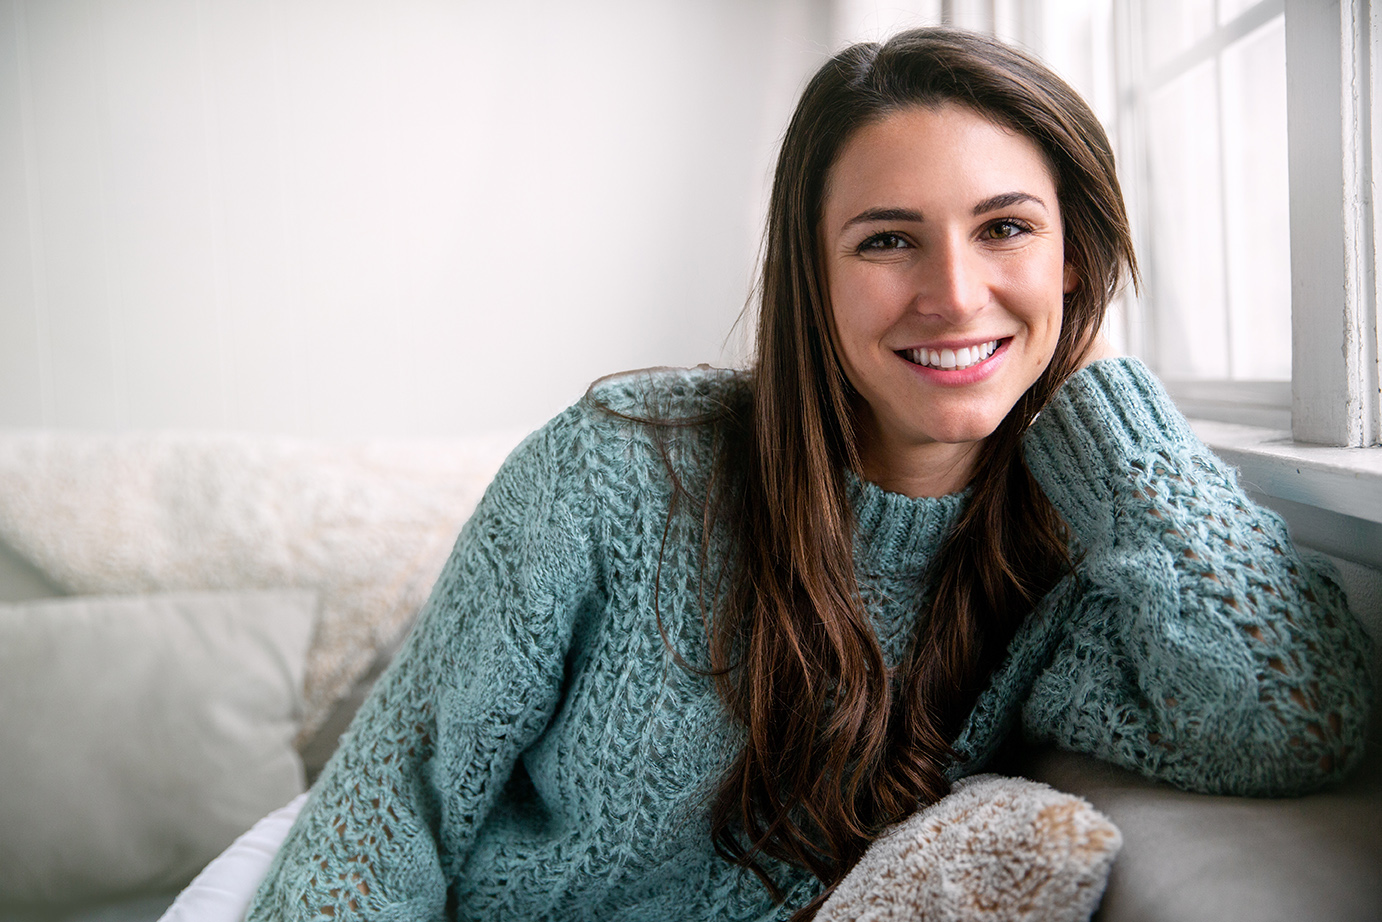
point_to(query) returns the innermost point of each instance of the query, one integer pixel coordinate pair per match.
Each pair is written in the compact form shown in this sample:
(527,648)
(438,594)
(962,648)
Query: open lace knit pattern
(995,850)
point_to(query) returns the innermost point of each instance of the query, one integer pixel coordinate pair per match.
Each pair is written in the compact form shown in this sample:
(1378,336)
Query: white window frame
(1331,90)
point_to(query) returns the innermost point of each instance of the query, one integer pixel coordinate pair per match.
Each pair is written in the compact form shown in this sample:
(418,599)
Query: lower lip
(959,377)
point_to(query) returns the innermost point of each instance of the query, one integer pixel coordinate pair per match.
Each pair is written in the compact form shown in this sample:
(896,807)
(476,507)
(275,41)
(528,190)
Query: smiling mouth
(951,359)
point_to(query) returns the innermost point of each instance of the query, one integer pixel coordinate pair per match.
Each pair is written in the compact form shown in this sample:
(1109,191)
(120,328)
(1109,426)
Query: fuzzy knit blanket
(366,525)
(996,849)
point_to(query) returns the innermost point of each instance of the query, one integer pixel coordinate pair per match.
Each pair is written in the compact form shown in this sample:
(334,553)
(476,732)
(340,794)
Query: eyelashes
(1007,228)
(998,230)
(883,242)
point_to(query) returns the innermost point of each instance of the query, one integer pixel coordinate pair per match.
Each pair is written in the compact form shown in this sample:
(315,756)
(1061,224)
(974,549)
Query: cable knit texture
(536,752)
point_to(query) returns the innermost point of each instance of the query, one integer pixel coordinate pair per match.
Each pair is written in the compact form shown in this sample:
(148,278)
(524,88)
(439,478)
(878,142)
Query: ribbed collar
(896,534)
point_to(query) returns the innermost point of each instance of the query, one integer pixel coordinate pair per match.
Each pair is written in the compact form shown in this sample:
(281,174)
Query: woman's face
(944,260)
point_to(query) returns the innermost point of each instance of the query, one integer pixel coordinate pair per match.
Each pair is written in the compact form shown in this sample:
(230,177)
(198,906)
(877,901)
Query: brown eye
(1007,228)
(886,241)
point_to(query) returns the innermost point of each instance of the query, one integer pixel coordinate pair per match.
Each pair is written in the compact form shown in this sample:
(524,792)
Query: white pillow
(140,735)
(223,890)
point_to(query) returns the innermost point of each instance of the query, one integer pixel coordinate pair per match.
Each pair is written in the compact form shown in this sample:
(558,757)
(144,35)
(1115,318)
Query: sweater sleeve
(1196,645)
(393,817)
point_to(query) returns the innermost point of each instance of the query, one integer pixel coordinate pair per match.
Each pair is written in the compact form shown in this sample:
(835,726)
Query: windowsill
(1330,497)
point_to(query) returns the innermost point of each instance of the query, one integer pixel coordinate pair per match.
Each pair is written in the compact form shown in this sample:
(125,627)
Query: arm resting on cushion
(1198,647)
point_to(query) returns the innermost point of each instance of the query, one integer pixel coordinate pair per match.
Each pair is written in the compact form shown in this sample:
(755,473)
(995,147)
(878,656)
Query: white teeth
(952,359)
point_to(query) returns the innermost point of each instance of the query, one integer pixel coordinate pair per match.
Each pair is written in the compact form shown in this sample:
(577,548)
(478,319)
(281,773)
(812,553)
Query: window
(1205,92)
(1248,142)
(1258,264)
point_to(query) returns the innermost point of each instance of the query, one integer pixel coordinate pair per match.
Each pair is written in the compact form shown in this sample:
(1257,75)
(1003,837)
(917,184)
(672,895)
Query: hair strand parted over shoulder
(837,748)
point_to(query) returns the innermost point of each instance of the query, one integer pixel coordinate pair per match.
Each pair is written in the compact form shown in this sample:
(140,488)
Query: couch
(191,620)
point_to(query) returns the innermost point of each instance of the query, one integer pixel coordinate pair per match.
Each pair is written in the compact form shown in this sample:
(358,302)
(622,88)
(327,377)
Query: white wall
(376,217)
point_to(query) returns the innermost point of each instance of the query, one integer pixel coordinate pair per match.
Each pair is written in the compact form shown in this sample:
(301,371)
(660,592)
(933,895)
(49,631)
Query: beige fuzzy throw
(996,849)
(367,525)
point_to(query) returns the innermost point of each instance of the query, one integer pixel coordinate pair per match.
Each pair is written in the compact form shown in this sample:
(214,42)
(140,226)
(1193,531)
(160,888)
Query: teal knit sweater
(535,752)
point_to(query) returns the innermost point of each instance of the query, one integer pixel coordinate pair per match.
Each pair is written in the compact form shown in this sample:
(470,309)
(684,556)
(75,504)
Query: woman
(709,632)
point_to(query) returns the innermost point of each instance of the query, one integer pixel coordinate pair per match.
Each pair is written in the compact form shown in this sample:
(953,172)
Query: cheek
(1043,300)
(850,340)
(1053,340)
(1043,318)
(844,323)
(1048,326)
(867,300)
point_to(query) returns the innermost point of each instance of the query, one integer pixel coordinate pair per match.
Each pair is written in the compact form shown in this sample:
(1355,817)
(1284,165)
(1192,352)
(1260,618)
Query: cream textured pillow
(139,736)
(995,849)
(367,525)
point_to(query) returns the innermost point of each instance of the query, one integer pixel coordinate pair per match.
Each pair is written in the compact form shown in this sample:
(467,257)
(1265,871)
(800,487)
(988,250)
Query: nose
(952,284)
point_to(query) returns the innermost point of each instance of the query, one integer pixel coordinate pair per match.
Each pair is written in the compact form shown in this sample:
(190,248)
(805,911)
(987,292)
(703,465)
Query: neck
(929,469)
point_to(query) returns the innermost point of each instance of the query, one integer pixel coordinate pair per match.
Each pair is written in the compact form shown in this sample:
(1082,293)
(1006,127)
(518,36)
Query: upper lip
(951,344)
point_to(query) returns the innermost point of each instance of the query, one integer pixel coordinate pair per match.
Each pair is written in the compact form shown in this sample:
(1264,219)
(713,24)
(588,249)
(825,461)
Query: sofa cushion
(141,735)
(1201,858)
(20,581)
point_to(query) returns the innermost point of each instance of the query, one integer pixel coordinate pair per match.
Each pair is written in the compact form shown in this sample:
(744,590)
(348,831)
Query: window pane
(1171,26)
(1186,292)
(1257,208)
(1232,9)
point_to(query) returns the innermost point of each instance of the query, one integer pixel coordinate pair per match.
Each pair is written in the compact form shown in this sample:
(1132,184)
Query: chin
(962,432)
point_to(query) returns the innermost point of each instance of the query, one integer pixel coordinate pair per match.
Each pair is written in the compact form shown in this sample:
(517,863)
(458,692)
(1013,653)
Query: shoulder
(675,417)
(629,427)
(669,394)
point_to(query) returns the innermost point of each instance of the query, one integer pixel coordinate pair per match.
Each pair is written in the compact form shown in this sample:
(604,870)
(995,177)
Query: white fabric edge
(224,888)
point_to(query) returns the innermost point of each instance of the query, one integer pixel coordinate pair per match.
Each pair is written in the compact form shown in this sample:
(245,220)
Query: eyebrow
(883,214)
(1007,200)
(993,203)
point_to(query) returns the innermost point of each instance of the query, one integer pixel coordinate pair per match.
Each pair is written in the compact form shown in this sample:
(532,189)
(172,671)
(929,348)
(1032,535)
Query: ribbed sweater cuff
(1083,443)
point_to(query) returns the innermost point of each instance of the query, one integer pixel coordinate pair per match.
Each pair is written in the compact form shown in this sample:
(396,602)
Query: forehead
(937,152)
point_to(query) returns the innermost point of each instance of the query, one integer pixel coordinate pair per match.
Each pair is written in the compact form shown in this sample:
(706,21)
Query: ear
(1071,279)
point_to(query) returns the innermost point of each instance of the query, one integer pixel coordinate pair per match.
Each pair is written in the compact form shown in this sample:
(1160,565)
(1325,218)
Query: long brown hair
(837,748)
